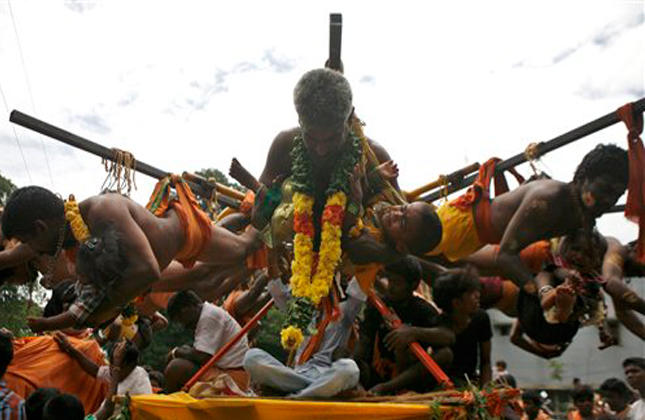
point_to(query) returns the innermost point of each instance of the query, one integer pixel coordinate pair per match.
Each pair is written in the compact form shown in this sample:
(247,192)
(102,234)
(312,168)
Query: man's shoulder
(285,138)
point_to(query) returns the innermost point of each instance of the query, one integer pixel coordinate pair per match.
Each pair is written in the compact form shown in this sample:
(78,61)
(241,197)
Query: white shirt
(136,383)
(214,329)
(637,411)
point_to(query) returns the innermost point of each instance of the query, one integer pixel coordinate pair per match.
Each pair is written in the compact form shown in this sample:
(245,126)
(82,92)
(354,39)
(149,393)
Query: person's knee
(253,359)
(177,372)
(348,371)
(443,357)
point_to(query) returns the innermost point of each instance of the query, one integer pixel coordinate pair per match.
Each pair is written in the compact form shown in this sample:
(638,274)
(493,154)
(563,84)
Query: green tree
(17,302)
(6,188)
(219,177)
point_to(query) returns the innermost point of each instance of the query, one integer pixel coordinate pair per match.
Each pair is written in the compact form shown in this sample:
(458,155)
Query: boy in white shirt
(213,328)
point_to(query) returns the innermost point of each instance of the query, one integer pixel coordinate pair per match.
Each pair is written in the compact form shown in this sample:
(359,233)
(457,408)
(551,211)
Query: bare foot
(244,177)
(564,300)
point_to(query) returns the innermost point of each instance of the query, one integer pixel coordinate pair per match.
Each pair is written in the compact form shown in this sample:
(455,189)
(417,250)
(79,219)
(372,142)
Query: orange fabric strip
(635,206)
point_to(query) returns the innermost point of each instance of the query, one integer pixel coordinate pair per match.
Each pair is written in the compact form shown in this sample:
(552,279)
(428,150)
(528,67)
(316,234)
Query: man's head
(185,308)
(583,249)
(602,177)
(413,228)
(583,397)
(500,365)
(403,279)
(323,100)
(457,291)
(635,373)
(130,359)
(64,407)
(616,394)
(532,403)
(35,403)
(6,351)
(34,215)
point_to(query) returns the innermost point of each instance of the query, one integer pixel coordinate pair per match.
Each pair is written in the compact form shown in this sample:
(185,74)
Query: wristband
(545,289)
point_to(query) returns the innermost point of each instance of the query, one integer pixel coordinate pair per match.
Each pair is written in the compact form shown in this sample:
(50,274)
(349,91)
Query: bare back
(164,235)
(541,209)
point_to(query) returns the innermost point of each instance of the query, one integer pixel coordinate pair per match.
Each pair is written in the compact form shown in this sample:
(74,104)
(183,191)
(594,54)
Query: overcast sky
(188,85)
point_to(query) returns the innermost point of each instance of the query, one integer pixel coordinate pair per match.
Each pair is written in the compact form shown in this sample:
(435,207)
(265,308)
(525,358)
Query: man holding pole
(213,328)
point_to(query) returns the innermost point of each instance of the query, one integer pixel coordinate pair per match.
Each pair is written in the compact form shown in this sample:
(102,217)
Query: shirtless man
(147,244)
(323,101)
(537,210)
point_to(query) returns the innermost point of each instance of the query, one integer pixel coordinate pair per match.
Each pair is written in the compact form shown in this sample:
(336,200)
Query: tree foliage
(6,188)
(220,177)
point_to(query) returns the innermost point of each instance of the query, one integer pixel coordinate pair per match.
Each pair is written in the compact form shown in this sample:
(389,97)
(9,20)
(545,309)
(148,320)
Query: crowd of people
(328,237)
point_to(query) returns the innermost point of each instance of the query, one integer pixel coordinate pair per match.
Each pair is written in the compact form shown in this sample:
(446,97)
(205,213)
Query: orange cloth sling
(478,195)
(196,223)
(635,206)
(38,362)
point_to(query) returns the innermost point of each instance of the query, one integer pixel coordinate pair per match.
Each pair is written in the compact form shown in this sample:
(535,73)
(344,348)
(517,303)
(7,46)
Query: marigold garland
(309,281)
(73,215)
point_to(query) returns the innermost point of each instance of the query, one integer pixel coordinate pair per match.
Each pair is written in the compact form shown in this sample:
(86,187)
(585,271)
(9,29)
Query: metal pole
(545,147)
(89,146)
(335,39)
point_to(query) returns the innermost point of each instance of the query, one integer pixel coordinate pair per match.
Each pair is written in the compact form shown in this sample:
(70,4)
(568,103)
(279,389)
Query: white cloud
(190,85)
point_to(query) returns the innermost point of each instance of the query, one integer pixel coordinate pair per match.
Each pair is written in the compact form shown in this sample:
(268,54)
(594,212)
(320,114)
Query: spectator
(386,363)
(500,369)
(457,293)
(132,379)
(635,373)
(12,407)
(64,407)
(213,328)
(35,403)
(617,396)
(533,406)
(583,399)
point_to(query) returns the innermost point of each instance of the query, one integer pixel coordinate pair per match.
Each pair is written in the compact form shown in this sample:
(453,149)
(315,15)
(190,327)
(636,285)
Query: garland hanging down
(311,274)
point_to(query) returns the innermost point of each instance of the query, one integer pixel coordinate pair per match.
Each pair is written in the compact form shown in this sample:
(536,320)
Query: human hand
(119,352)
(388,170)
(63,342)
(37,324)
(402,336)
(379,389)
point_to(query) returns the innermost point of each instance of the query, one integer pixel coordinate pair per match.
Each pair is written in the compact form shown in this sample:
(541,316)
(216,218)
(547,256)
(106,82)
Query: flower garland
(77,224)
(311,277)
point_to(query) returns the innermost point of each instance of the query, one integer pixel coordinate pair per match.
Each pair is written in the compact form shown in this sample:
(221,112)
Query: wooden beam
(89,146)
(335,40)
(545,147)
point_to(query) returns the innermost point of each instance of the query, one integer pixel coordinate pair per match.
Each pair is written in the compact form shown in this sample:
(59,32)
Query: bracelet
(545,289)
(172,353)
(352,208)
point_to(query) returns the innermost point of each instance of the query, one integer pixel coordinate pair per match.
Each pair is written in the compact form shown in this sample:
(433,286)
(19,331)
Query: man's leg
(177,373)
(343,374)
(269,371)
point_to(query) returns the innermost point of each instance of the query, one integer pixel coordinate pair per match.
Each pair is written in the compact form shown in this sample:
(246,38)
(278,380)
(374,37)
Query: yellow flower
(291,337)
(73,216)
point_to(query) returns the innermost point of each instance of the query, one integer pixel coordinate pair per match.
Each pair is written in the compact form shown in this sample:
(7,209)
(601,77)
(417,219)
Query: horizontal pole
(545,147)
(103,152)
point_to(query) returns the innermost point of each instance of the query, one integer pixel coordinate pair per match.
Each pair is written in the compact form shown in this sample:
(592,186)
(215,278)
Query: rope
(120,172)
(443,189)
(532,156)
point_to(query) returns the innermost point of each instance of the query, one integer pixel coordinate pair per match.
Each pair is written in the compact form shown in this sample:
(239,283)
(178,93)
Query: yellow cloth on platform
(181,406)
(459,233)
